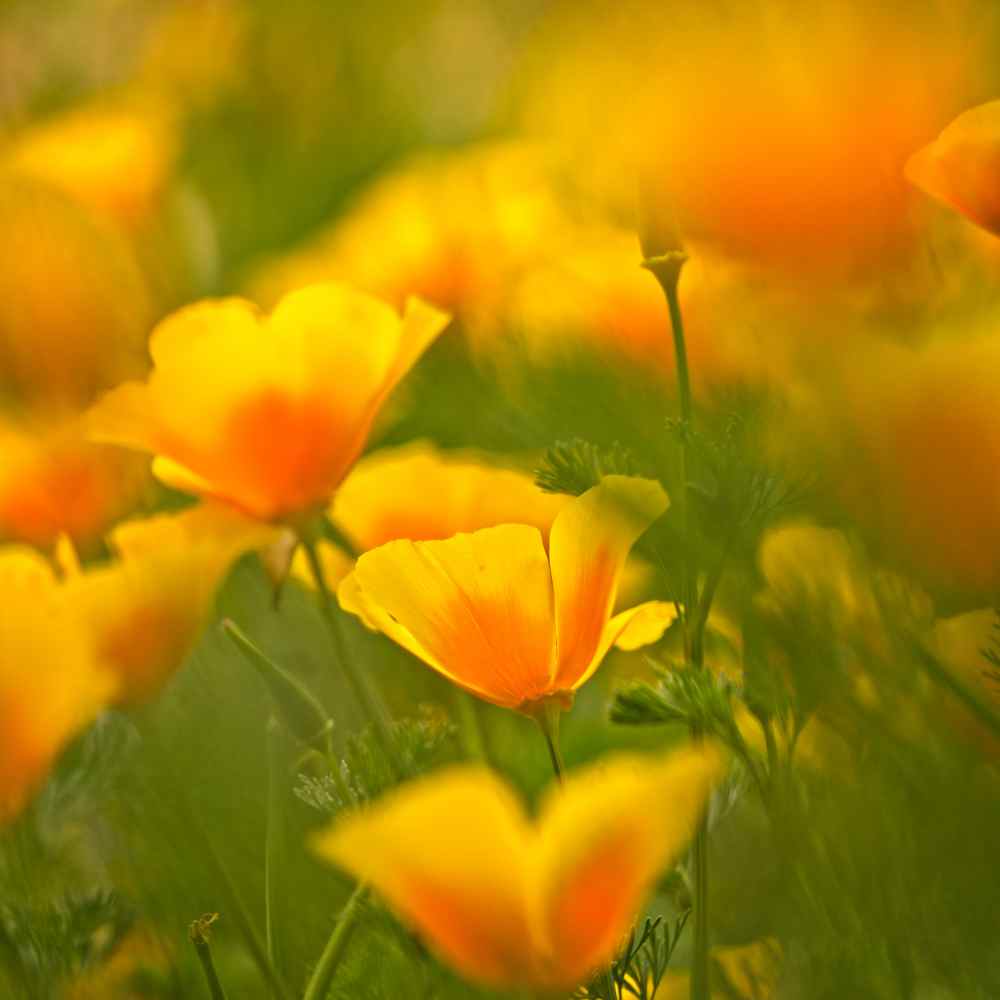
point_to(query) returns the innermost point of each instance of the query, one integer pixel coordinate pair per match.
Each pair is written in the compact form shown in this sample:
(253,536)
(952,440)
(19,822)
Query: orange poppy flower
(267,412)
(147,608)
(74,305)
(116,160)
(496,614)
(419,492)
(511,903)
(54,482)
(51,682)
(961,167)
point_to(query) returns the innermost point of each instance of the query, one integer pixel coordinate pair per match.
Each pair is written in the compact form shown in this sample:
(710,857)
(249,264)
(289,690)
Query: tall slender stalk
(236,906)
(336,947)
(362,690)
(666,268)
(199,935)
(274,838)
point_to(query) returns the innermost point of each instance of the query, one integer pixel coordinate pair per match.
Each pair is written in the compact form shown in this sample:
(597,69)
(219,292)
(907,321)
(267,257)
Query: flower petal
(601,853)
(447,853)
(590,541)
(478,607)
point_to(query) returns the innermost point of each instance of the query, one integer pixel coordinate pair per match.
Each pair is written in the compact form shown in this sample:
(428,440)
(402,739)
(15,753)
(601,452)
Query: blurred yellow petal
(115,160)
(590,541)
(74,304)
(480,604)
(741,972)
(447,852)
(146,608)
(51,683)
(54,482)
(961,167)
(268,413)
(600,854)
(515,904)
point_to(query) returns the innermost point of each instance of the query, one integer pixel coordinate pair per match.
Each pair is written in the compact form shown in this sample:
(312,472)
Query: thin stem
(470,726)
(548,721)
(199,935)
(951,682)
(336,947)
(235,903)
(363,692)
(273,840)
(667,270)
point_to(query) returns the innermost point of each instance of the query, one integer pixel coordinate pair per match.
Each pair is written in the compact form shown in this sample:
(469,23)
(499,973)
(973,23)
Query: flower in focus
(267,412)
(116,160)
(498,615)
(54,482)
(147,607)
(51,682)
(512,903)
(74,305)
(420,493)
(961,167)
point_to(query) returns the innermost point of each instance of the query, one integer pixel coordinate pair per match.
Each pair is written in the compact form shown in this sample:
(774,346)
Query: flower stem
(547,718)
(363,692)
(199,935)
(666,268)
(273,840)
(470,726)
(336,947)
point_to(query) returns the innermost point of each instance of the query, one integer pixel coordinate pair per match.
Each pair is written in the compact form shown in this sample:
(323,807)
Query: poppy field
(499,500)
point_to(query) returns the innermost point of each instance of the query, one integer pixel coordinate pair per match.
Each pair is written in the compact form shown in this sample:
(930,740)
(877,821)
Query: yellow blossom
(498,615)
(54,482)
(74,305)
(510,902)
(51,682)
(267,413)
(420,493)
(147,607)
(114,159)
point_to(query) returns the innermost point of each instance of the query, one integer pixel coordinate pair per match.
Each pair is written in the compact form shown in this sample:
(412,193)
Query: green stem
(363,692)
(470,726)
(667,270)
(198,933)
(548,721)
(273,840)
(951,682)
(236,906)
(336,947)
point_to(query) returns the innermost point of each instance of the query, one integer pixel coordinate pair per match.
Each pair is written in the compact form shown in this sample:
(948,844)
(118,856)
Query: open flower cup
(267,413)
(496,613)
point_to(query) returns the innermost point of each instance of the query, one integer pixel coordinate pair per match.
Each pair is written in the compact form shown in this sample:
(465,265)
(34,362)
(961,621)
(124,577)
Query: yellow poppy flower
(496,614)
(54,482)
(464,225)
(961,167)
(51,683)
(74,305)
(267,412)
(114,159)
(509,902)
(146,609)
(420,493)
